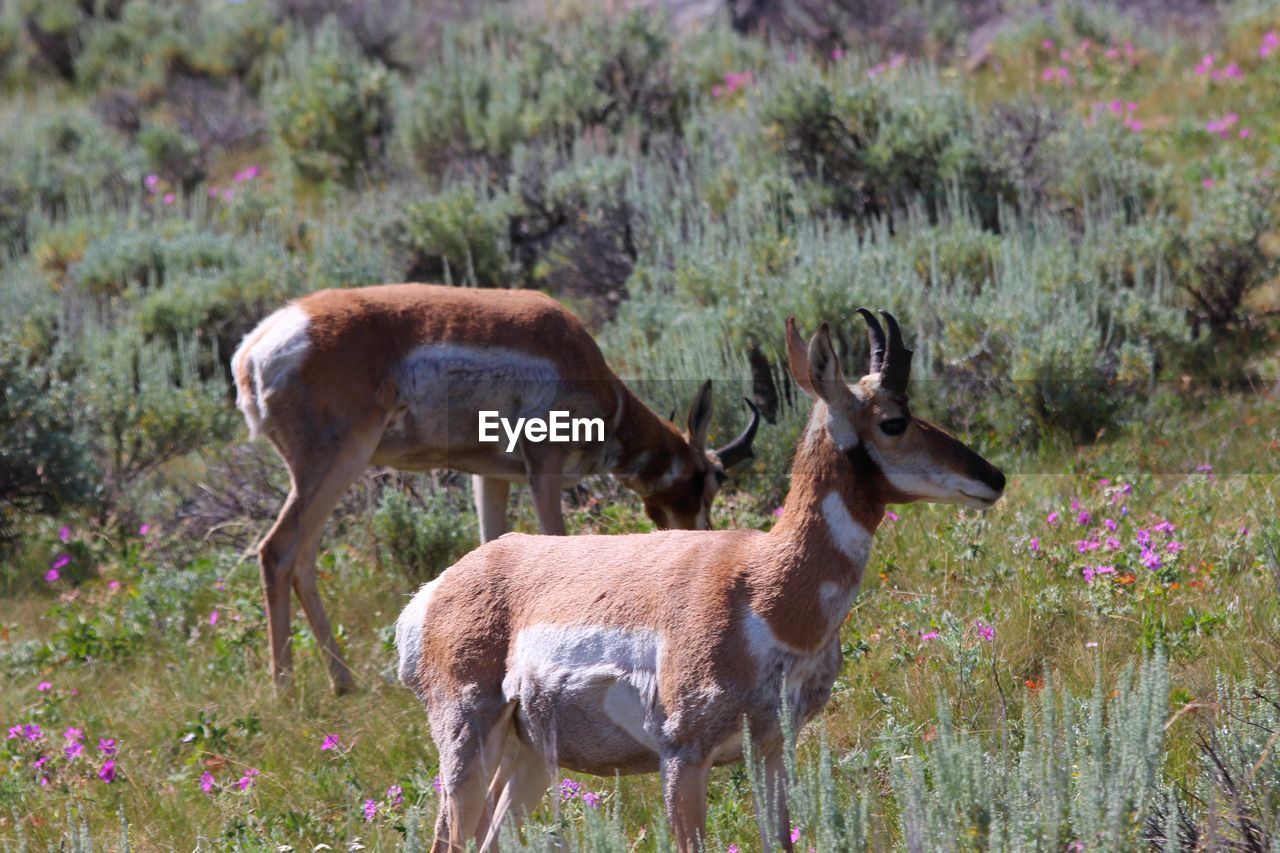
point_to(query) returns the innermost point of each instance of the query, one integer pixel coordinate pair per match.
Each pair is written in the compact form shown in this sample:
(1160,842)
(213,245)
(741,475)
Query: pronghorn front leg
(491,505)
(777,818)
(545,466)
(684,789)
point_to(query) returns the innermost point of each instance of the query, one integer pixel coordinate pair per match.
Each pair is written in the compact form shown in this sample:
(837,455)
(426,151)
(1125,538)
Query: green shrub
(422,541)
(330,109)
(172,155)
(460,235)
(45,462)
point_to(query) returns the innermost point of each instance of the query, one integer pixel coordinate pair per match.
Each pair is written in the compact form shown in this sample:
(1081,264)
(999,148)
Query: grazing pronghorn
(397,375)
(630,654)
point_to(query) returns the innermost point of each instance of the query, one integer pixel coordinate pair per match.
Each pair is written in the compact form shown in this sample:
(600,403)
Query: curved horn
(896,369)
(875,336)
(739,450)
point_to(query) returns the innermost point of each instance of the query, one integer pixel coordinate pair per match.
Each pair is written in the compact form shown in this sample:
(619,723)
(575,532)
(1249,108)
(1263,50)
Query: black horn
(896,369)
(875,336)
(739,450)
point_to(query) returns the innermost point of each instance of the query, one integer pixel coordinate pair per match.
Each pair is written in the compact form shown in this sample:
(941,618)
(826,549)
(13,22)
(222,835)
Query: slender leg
(684,788)
(471,743)
(776,823)
(491,504)
(545,465)
(518,786)
(275,556)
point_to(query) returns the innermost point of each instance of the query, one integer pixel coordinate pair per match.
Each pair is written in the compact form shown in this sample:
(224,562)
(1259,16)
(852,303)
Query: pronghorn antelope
(397,375)
(642,653)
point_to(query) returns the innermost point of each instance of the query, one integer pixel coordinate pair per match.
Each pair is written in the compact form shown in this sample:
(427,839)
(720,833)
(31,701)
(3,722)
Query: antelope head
(698,473)
(905,457)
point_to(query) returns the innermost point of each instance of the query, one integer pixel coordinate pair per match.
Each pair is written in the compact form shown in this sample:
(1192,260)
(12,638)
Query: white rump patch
(270,354)
(850,537)
(409,632)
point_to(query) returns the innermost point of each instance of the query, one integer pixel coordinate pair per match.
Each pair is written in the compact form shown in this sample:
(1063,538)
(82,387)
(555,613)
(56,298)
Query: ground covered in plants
(1071,207)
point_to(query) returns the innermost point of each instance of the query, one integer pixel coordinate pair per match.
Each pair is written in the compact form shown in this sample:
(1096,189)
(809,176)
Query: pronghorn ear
(700,417)
(798,358)
(825,375)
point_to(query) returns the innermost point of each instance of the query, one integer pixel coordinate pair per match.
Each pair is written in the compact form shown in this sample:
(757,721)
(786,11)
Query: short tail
(246,387)
(409,628)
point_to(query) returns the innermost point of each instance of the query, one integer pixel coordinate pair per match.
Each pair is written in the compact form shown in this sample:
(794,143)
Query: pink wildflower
(891,515)
(837,54)
(1084,517)
(1205,65)
(246,781)
(570,789)
(591,799)
(331,742)
(169,198)
(144,530)
(395,797)
(1270,42)
(1151,559)
(1207,183)
(370,810)
(107,773)
(73,750)
(1113,544)
(64,535)
(795,834)
(32,732)
(926,636)
(107,745)
(1052,518)
(1047,44)
(113,585)
(437,786)
(1035,543)
(1110,524)
(151,182)
(985,631)
(206,782)
(246,175)
(1174,547)
(213,617)
(44,687)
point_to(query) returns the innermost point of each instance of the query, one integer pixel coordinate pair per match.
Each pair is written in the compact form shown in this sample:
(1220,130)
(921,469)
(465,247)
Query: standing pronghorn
(397,375)
(630,654)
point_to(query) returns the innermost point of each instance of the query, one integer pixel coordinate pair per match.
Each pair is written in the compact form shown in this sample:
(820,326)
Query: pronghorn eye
(894,426)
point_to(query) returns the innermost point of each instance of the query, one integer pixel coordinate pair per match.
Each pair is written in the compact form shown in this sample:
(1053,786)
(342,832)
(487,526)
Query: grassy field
(1072,210)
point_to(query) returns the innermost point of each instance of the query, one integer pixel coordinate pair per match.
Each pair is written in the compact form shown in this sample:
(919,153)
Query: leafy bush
(44,453)
(460,235)
(330,108)
(422,541)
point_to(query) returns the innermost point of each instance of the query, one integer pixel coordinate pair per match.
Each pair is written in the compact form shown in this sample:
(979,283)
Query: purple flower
(107,772)
(52,575)
(40,762)
(1151,559)
(246,175)
(144,530)
(1270,42)
(169,198)
(1174,547)
(1144,537)
(569,789)
(1084,517)
(60,562)
(1164,527)
(985,631)
(370,810)
(330,742)
(73,734)
(1086,545)
(247,780)
(1243,531)
(213,617)
(926,636)
(1052,517)
(107,745)
(592,799)
(1035,543)
(795,834)
(74,750)
(14,732)
(44,687)
(891,515)
(777,512)
(206,782)
(395,797)
(1087,572)
(1113,544)
(1110,524)
(437,786)
(732,848)
(64,534)
(32,732)
(151,182)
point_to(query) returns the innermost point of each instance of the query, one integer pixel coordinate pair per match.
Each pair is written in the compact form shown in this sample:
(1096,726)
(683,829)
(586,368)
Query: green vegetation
(1073,213)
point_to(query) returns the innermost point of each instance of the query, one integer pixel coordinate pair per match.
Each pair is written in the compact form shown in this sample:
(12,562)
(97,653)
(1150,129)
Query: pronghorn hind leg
(517,788)
(684,788)
(545,466)
(777,820)
(320,473)
(471,743)
(491,504)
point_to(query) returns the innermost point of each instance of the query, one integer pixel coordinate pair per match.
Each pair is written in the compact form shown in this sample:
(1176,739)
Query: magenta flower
(891,515)
(107,745)
(246,175)
(985,631)
(331,742)
(73,734)
(732,848)
(837,54)
(1047,44)
(73,750)
(1086,545)
(1270,42)
(40,762)
(1110,524)
(64,535)
(795,834)
(1244,133)
(926,636)
(569,789)
(1204,469)
(247,780)
(169,198)
(1084,517)
(151,182)
(1151,559)
(370,810)
(1113,544)
(437,786)
(1035,543)
(52,575)
(60,562)
(44,687)
(113,585)
(14,732)
(1222,127)
(1205,65)
(1052,518)
(1207,183)
(213,617)
(591,799)
(1088,574)
(1144,537)
(777,512)
(1164,527)
(144,530)
(206,782)
(1174,547)
(32,732)
(107,773)
(395,797)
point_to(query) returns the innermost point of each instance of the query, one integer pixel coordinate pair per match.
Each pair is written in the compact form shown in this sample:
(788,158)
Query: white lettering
(559,428)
